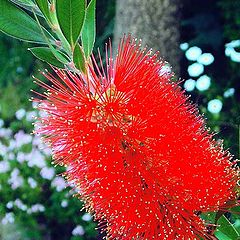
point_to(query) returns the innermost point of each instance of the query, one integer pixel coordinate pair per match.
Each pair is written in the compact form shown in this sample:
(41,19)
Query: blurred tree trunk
(156,22)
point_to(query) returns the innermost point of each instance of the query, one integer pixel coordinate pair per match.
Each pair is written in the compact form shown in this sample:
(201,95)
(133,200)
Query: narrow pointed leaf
(89,29)
(79,59)
(44,7)
(71,14)
(28,5)
(45,54)
(18,24)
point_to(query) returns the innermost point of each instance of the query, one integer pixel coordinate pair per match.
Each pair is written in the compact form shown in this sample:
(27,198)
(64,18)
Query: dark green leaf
(18,24)
(226,228)
(45,54)
(71,14)
(43,6)
(89,29)
(79,59)
(58,55)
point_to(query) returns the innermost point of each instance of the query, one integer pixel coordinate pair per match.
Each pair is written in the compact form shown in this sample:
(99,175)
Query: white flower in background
(184,46)
(233,44)
(32,182)
(1,123)
(9,205)
(5,132)
(30,116)
(37,208)
(12,145)
(36,140)
(214,106)
(195,69)
(59,183)
(231,52)
(47,151)
(64,203)
(15,179)
(235,56)
(47,173)
(35,158)
(78,231)
(22,138)
(4,166)
(20,114)
(20,157)
(203,83)
(189,85)
(29,211)
(206,59)
(19,204)
(8,218)
(229,92)
(11,156)
(3,149)
(193,53)
(86,217)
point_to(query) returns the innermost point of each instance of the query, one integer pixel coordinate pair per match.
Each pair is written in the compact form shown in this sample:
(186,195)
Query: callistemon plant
(136,150)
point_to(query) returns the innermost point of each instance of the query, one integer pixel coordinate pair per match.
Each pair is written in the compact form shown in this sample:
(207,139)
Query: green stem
(56,28)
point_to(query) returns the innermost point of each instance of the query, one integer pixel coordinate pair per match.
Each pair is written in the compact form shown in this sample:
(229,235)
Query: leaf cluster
(64,31)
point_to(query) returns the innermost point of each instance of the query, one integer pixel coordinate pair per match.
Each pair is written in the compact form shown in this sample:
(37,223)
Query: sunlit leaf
(225,227)
(44,7)
(16,23)
(89,29)
(45,54)
(71,16)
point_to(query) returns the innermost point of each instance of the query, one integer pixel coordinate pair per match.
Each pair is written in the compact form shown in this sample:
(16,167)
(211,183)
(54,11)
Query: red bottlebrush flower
(139,153)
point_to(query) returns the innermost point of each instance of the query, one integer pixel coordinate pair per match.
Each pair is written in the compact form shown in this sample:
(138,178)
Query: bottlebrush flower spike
(138,152)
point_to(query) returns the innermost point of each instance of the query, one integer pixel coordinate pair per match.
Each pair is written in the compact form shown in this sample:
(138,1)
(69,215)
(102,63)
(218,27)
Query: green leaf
(56,53)
(28,5)
(18,24)
(45,54)
(89,29)
(222,236)
(225,227)
(43,6)
(23,3)
(79,59)
(71,14)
